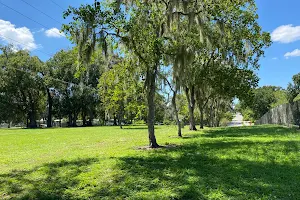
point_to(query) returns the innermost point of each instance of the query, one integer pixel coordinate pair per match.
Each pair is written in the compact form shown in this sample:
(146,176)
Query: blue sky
(279,18)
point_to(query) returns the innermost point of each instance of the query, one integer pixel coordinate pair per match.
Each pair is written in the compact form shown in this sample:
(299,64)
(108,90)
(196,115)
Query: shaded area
(244,131)
(49,181)
(196,174)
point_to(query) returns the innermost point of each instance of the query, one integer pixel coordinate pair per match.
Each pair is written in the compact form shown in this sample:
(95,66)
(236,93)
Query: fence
(286,114)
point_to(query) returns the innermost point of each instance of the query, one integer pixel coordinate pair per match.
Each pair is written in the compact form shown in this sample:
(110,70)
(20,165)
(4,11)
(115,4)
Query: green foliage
(280,98)
(260,162)
(21,87)
(204,44)
(224,122)
(168,122)
(248,115)
(121,91)
(262,100)
(293,89)
(74,95)
(297,98)
(139,122)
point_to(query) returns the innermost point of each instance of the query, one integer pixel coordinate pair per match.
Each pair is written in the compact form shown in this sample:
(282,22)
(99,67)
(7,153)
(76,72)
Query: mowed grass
(261,162)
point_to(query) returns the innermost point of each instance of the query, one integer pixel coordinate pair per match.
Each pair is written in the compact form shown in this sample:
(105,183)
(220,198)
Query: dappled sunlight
(196,169)
(209,164)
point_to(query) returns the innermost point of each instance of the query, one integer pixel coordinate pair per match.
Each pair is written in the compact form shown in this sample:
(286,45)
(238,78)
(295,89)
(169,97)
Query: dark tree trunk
(211,116)
(49,113)
(176,113)
(120,122)
(217,118)
(201,109)
(151,75)
(120,117)
(218,122)
(32,120)
(70,120)
(191,104)
(75,120)
(115,120)
(213,119)
(32,114)
(91,118)
(83,119)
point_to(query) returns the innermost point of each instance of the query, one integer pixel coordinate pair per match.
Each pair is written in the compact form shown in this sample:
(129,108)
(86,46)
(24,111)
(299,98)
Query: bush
(248,115)
(139,122)
(168,122)
(228,116)
(224,122)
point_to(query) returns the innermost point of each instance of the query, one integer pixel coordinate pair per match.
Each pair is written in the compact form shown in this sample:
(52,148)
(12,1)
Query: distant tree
(281,96)
(21,85)
(293,89)
(73,94)
(261,100)
(293,92)
(121,91)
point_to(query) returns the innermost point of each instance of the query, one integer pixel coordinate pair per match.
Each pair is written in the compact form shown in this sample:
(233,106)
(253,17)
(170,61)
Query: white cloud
(21,38)
(295,53)
(286,34)
(275,58)
(54,32)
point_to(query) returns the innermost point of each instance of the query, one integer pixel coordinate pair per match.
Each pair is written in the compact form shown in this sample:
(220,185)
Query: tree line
(263,99)
(202,54)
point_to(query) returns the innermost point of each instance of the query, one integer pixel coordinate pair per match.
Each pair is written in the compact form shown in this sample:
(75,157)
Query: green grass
(260,162)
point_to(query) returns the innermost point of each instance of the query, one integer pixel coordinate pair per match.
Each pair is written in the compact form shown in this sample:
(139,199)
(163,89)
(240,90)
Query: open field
(261,162)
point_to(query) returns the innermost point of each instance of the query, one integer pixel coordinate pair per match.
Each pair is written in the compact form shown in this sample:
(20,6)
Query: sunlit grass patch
(105,163)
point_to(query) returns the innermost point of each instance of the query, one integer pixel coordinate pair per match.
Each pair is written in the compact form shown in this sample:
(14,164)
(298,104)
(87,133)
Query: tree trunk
(83,119)
(201,109)
(32,120)
(75,120)
(32,114)
(49,113)
(191,104)
(91,118)
(120,120)
(217,117)
(151,76)
(218,122)
(176,113)
(120,114)
(211,116)
(70,120)
(115,120)
(213,119)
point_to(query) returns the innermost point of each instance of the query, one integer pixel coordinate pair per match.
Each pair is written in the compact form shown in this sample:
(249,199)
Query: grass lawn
(260,162)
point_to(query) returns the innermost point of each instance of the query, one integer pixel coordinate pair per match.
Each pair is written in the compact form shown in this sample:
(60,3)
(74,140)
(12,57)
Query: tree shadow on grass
(49,181)
(192,172)
(249,131)
(216,169)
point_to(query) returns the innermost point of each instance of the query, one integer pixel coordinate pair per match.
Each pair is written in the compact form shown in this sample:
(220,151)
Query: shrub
(139,122)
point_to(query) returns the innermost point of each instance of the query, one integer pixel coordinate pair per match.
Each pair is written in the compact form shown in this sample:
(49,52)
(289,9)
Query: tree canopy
(127,51)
